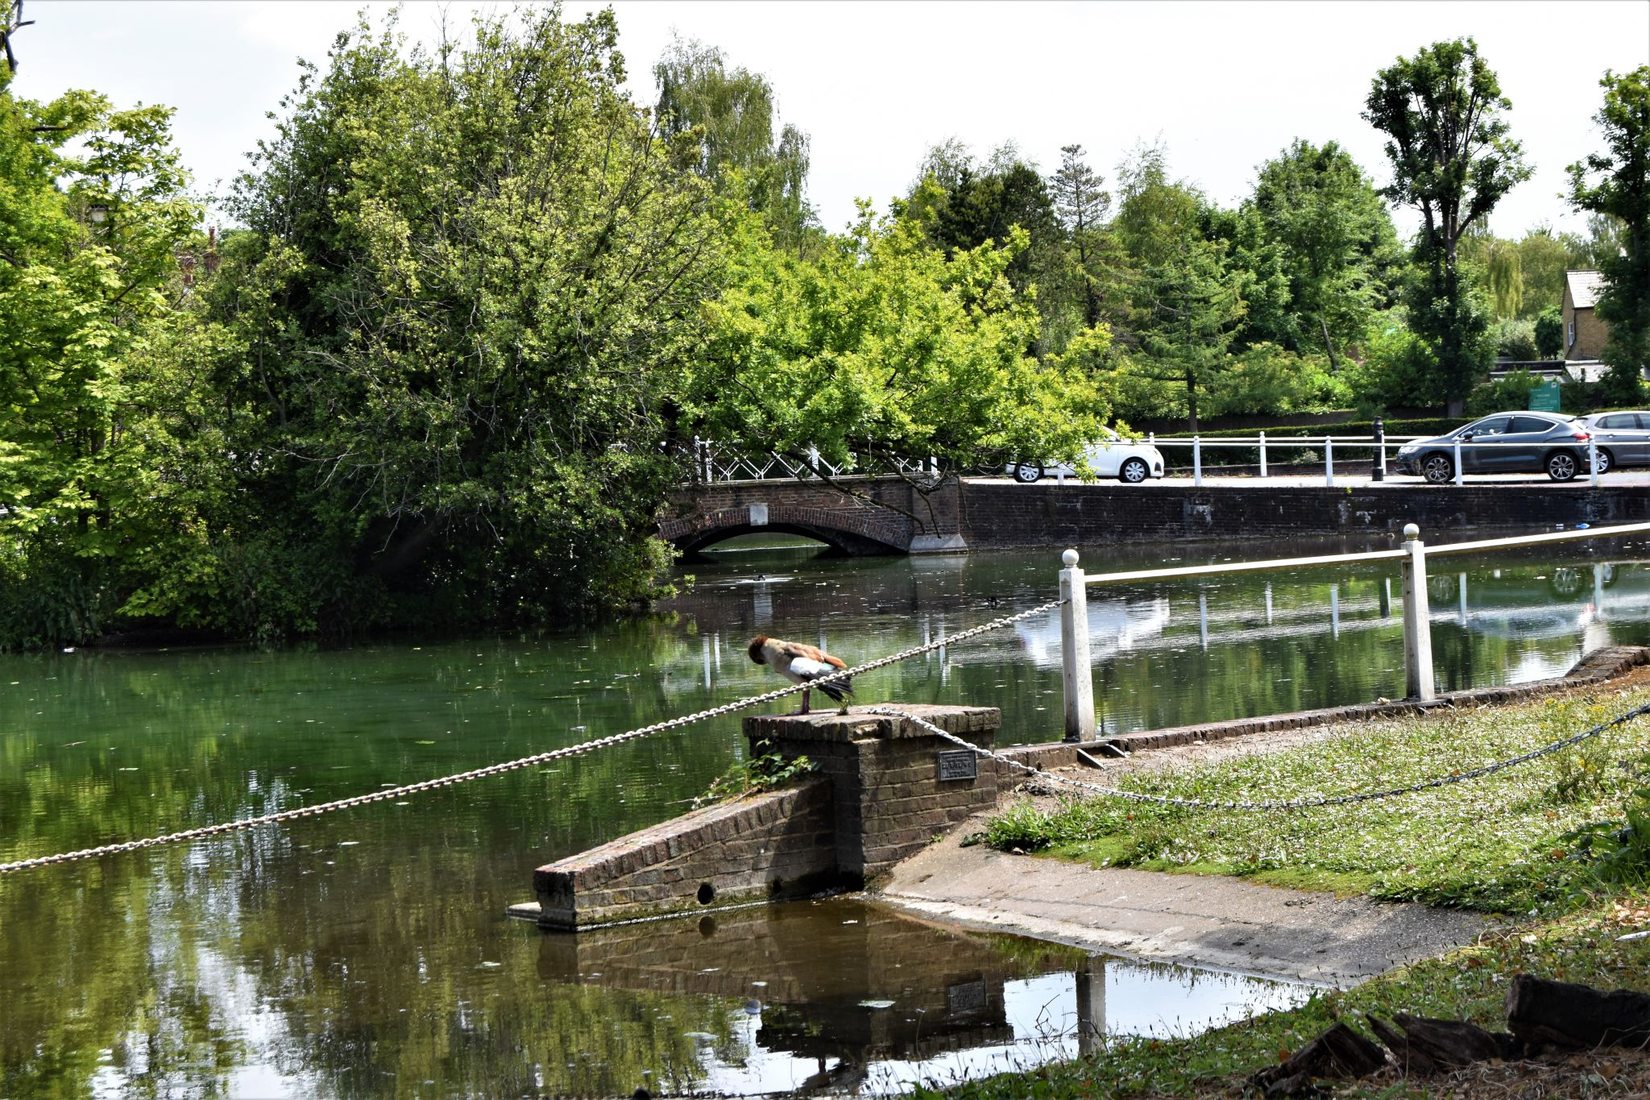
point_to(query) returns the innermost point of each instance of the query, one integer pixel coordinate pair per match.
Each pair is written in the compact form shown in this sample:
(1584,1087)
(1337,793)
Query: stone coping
(859,724)
(1596,667)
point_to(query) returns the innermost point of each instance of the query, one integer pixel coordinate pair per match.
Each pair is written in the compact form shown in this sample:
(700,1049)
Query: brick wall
(889,797)
(880,796)
(776,844)
(1050,514)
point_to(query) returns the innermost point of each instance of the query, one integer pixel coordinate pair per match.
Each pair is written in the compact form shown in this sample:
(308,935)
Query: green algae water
(366,953)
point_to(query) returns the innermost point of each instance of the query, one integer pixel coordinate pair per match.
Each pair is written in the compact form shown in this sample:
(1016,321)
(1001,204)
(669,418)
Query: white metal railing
(715,461)
(1076,666)
(1377,446)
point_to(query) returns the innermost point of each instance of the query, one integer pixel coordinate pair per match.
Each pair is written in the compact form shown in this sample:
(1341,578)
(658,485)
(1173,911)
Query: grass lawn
(1560,845)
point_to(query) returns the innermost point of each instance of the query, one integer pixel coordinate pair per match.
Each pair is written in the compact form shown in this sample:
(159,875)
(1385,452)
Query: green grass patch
(1560,844)
(1516,841)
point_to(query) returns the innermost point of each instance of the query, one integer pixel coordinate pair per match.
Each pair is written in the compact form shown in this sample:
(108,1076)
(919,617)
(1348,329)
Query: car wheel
(1603,459)
(1027,472)
(1134,471)
(1566,580)
(1562,465)
(1437,468)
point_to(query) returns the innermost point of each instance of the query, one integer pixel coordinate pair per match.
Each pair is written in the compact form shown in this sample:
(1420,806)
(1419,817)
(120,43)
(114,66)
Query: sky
(1223,86)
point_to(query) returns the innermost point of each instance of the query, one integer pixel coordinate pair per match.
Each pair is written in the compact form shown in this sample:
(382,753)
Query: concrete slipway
(1207,921)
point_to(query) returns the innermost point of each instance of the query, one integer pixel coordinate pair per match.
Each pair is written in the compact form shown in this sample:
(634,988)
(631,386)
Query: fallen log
(1421,1045)
(1338,1052)
(1564,1014)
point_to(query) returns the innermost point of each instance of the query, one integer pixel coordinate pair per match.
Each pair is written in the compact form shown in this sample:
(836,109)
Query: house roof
(1584,287)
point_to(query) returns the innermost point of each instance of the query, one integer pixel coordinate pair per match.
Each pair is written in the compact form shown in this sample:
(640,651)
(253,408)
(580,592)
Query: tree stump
(1563,1014)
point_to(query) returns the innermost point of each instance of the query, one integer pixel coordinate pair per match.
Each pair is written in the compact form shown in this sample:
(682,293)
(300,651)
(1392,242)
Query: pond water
(367,952)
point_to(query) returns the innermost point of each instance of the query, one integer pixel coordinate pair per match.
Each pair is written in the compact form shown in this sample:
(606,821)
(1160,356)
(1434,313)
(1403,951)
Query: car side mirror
(1466,436)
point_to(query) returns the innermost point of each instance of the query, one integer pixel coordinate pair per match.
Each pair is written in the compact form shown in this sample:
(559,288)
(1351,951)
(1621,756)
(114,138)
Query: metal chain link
(1278,804)
(386,794)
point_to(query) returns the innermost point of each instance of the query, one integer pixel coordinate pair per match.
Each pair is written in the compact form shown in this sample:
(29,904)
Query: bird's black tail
(837,689)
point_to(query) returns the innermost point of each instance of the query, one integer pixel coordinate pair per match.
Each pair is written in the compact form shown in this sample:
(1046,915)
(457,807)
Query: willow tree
(722,119)
(1453,159)
(470,280)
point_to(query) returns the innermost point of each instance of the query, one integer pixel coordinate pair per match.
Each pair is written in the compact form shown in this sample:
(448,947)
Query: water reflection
(844,997)
(367,952)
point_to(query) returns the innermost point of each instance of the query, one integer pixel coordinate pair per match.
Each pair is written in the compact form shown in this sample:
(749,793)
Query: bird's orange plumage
(800,664)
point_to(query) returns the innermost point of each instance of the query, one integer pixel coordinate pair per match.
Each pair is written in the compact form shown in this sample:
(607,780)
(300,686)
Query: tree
(1334,243)
(1187,298)
(94,210)
(1081,205)
(887,348)
(1451,158)
(470,283)
(1616,184)
(722,122)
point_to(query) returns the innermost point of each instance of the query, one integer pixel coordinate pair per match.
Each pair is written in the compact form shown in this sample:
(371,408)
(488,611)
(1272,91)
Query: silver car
(1622,437)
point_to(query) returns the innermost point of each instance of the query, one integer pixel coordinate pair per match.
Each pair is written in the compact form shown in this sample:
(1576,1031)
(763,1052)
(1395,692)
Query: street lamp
(98,213)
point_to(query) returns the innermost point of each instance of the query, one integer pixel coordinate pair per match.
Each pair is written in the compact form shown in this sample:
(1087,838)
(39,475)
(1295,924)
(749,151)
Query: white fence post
(1592,460)
(1417,619)
(1460,478)
(1074,650)
(1328,461)
(1197,460)
(1262,454)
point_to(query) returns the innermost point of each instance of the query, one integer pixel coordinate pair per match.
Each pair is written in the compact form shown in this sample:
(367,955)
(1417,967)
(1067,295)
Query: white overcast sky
(1224,85)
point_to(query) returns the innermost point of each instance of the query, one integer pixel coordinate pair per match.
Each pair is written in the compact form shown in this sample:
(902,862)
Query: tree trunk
(1329,346)
(1545,1013)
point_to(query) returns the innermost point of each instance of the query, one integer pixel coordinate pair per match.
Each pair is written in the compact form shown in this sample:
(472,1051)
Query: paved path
(1199,920)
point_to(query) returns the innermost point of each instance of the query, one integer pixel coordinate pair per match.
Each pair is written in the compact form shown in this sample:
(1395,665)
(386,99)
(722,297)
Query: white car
(1113,456)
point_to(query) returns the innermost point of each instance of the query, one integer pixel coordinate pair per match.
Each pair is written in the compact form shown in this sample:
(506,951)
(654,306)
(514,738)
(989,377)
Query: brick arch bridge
(881,515)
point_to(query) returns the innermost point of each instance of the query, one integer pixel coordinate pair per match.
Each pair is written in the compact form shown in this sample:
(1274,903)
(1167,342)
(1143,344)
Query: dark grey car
(1622,437)
(1508,442)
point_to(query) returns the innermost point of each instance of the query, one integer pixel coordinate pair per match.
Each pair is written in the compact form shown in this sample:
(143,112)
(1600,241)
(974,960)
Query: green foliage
(1549,333)
(886,347)
(1511,391)
(721,124)
(1316,216)
(1268,379)
(768,772)
(1453,159)
(94,210)
(1615,184)
(1616,852)
(1515,340)
(455,326)
(1397,369)
(1185,292)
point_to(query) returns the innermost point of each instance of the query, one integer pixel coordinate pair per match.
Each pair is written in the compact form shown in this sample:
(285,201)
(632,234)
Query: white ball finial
(1411,532)
(1069,558)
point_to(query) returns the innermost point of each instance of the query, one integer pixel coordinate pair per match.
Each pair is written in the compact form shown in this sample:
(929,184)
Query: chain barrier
(1278,804)
(386,794)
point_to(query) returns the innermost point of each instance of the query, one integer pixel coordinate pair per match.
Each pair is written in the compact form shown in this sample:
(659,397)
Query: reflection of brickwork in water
(825,973)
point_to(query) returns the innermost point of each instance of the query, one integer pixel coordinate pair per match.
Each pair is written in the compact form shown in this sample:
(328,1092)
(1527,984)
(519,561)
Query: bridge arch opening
(790,540)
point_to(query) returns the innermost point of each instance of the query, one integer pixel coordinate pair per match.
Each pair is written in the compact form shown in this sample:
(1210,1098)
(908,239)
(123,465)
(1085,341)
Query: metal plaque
(957,764)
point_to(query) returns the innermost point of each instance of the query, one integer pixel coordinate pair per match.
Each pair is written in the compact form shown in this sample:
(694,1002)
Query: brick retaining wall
(999,514)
